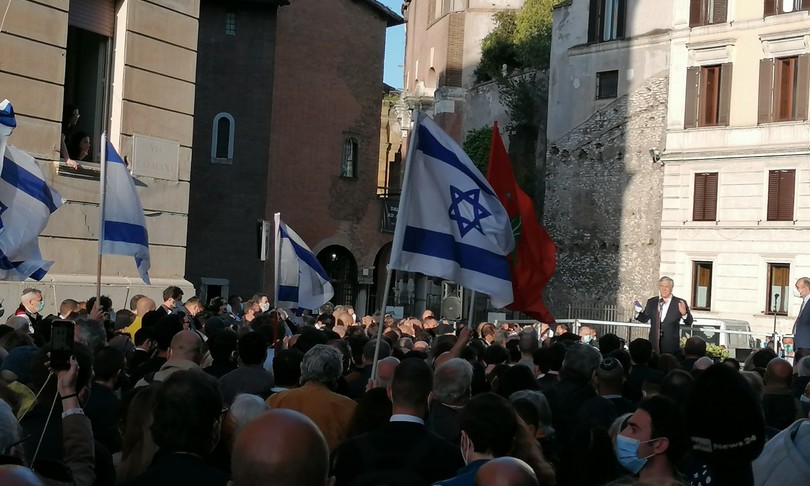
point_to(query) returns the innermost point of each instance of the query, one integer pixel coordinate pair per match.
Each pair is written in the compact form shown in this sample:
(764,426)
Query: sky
(394,48)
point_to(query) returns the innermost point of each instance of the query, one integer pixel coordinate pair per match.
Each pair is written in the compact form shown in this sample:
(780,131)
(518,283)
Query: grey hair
(9,428)
(666,279)
(581,360)
(540,402)
(322,364)
(245,408)
(29,293)
(803,366)
(452,381)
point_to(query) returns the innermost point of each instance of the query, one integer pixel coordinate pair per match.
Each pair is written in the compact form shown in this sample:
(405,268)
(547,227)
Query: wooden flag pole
(102,198)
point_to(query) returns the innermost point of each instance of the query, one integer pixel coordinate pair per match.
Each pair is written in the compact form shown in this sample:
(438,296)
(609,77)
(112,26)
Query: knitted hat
(19,362)
(725,420)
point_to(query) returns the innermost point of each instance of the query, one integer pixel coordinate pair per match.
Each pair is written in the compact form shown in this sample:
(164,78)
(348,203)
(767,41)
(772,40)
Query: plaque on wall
(155,157)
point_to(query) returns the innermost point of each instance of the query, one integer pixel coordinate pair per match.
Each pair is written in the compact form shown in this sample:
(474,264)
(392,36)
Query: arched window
(222,138)
(340,265)
(348,167)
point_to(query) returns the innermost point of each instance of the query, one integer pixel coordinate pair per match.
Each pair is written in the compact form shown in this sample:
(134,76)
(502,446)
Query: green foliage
(520,40)
(522,100)
(476,145)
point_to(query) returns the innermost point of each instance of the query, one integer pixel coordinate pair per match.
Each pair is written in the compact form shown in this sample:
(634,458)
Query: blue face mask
(40,306)
(804,399)
(627,453)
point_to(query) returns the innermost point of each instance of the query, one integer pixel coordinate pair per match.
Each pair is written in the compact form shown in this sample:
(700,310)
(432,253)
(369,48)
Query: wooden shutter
(704,204)
(620,21)
(765,90)
(691,110)
(787,187)
(698,201)
(773,195)
(803,86)
(720,14)
(94,15)
(770,8)
(724,108)
(593,21)
(695,13)
(805,5)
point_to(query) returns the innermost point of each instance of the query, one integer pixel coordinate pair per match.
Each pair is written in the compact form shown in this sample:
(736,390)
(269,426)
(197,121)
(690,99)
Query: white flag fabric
(450,222)
(301,281)
(124,226)
(26,204)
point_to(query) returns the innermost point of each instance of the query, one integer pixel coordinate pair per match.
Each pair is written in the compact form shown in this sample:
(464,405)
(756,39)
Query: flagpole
(102,198)
(471,310)
(405,183)
(276,258)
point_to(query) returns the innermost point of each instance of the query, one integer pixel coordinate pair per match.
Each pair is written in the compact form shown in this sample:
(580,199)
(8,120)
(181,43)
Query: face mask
(796,293)
(627,453)
(804,399)
(266,307)
(228,309)
(587,339)
(40,306)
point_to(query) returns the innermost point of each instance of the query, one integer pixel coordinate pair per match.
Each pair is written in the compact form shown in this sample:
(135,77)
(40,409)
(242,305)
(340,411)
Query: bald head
(186,345)
(283,445)
(703,363)
(442,359)
(144,305)
(385,370)
(505,471)
(12,475)
(778,374)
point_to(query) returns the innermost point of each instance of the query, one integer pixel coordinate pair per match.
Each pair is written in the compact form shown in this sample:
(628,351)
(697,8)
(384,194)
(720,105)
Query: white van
(708,330)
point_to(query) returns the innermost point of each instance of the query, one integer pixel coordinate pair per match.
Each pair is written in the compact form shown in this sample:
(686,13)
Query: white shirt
(401,417)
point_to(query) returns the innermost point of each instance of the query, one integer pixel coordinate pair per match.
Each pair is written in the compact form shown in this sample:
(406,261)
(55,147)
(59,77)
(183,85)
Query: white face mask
(354,317)
(796,293)
(266,307)
(228,309)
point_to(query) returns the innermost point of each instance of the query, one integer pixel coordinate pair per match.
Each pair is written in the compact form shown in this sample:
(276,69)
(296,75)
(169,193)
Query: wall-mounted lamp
(655,155)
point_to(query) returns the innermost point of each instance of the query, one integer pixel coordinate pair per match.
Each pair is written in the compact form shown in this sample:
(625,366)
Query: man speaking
(665,314)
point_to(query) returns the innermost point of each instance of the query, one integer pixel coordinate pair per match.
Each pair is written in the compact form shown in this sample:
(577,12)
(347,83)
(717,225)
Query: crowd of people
(182,392)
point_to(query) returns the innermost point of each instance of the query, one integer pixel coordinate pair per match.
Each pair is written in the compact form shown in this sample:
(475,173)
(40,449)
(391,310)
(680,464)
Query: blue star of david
(464,203)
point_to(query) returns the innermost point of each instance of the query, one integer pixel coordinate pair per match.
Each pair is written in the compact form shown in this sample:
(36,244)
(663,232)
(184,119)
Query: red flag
(534,258)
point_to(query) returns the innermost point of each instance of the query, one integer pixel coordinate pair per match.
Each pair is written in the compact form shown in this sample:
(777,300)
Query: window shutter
(94,15)
(695,11)
(770,8)
(765,90)
(724,108)
(773,195)
(805,5)
(803,86)
(698,203)
(720,13)
(710,198)
(691,110)
(620,20)
(786,193)
(593,21)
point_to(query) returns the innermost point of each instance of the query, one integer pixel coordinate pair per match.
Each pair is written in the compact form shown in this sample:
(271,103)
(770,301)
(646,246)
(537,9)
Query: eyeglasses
(223,412)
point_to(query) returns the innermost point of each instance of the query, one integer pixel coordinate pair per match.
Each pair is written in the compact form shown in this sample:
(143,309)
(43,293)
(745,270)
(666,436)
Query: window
(607,84)
(702,285)
(230,23)
(706,12)
(781,186)
(784,88)
(348,168)
(708,96)
(222,139)
(776,7)
(704,206)
(778,288)
(606,20)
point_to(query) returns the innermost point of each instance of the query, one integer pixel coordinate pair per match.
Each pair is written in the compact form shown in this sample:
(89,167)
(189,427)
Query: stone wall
(603,202)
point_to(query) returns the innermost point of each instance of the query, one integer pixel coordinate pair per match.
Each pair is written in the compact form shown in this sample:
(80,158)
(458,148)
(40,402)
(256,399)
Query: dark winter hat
(19,361)
(725,420)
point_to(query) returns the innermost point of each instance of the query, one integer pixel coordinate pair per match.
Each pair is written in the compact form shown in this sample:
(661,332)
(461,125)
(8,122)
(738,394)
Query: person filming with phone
(665,313)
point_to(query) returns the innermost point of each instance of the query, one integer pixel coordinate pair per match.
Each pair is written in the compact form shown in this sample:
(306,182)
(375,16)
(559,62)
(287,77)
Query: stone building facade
(607,111)
(129,67)
(736,204)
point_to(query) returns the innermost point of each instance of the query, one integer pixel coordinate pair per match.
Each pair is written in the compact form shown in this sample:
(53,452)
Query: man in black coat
(403,449)
(665,314)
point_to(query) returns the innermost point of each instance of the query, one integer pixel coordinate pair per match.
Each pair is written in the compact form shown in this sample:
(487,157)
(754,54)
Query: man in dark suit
(403,450)
(801,328)
(665,314)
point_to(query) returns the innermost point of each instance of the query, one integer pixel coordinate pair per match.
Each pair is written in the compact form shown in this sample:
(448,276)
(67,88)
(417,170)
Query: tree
(476,145)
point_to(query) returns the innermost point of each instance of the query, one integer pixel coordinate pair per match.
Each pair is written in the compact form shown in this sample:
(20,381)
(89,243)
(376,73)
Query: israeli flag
(301,281)
(26,204)
(123,223)
(450,222)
